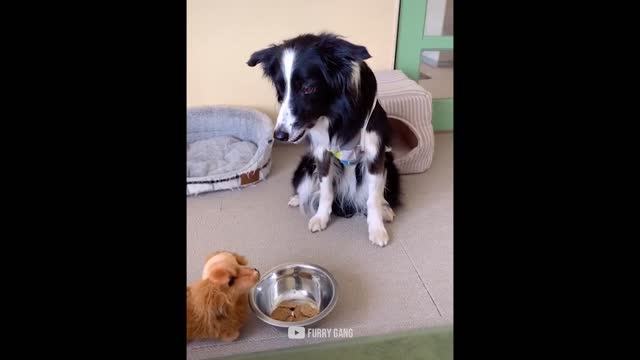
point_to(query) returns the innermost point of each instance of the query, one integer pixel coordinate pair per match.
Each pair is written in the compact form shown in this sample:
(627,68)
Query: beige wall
(222,34)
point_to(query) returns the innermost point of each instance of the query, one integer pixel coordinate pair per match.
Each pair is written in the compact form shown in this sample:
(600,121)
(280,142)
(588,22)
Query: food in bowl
(294,284)
(292,311)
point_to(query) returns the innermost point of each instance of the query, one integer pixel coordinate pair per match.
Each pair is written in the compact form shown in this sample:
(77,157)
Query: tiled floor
(406,285)
(438,81)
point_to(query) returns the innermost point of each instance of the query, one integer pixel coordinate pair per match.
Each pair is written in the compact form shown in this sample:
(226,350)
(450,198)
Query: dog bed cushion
(218,155)
(227,147)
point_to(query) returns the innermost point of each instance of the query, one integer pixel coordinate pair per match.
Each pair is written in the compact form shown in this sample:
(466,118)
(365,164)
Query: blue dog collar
(347,157)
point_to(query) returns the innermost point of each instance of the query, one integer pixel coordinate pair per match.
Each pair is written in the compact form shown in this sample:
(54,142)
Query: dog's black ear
(338,56)
(334,45)
(353,52)
(264,56)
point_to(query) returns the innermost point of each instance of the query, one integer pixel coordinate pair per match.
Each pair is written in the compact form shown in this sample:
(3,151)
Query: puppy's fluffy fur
(217,305)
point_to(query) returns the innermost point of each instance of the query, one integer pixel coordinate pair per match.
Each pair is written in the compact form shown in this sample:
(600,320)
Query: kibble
(291,311)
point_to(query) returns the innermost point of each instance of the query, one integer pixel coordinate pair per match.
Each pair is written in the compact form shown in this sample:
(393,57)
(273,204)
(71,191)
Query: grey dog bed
(227,147)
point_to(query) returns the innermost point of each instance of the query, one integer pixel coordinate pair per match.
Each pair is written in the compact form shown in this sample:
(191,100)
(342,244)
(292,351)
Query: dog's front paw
(378,236)
(294,201)
(318,223)
(388,214)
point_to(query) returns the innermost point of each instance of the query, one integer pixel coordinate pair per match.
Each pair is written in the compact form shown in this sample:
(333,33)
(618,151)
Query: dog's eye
(308,90)
(231,281)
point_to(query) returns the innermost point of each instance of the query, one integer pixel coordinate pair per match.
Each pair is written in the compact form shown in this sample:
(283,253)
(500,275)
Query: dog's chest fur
(350,182)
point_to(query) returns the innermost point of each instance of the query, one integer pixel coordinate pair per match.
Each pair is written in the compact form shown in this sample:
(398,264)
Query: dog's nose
(258,271)
(281,135)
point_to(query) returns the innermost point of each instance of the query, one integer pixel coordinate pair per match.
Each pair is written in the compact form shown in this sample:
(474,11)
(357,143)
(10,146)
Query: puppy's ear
(241,259)
(264,56)
(220,275)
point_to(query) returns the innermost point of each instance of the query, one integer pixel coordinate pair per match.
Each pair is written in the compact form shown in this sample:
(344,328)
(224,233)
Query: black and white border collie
(327,97)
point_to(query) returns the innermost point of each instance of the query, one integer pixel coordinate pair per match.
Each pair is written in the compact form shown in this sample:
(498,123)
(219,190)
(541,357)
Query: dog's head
(229,274)
(311,74)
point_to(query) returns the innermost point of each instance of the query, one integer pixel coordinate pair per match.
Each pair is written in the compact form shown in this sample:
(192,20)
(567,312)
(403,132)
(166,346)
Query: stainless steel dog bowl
(298,282)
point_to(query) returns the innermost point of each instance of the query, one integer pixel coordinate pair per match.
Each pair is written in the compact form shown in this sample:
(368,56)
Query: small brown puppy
(217,305)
